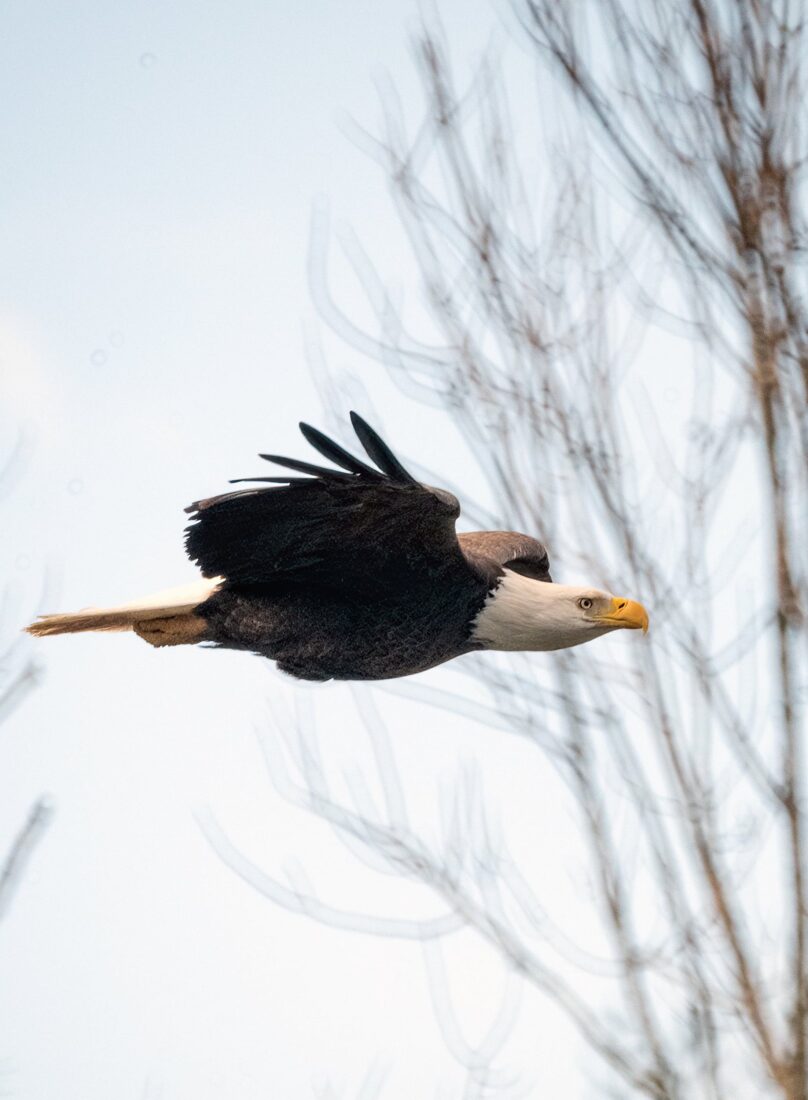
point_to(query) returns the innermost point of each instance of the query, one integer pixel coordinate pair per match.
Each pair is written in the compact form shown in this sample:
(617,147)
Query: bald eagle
(357,573)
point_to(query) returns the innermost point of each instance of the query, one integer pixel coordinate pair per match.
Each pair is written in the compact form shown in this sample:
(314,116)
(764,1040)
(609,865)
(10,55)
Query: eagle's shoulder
(508,550)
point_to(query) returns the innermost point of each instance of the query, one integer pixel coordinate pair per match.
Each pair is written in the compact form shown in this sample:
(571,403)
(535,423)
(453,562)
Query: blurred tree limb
(670,200)
(19,674)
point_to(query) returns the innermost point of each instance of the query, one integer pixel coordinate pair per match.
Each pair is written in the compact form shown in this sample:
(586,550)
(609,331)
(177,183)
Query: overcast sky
(160,167)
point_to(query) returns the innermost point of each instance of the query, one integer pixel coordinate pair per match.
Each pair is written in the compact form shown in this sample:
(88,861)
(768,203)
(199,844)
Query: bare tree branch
(621,339)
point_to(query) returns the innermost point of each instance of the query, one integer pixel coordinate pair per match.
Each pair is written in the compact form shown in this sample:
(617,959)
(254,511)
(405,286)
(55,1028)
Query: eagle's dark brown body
(349,574)
(324,635)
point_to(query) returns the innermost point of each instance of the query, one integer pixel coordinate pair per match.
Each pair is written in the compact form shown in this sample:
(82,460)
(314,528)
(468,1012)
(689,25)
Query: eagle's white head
(526,614)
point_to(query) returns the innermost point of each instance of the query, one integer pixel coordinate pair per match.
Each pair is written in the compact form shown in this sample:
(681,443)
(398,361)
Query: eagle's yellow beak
(627,614)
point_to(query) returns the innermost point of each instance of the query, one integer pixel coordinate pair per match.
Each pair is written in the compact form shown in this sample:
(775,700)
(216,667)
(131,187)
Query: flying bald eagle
(357,573)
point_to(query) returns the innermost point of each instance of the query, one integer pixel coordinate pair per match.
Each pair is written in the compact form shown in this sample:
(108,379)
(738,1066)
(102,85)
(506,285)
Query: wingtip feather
(379,452)
(335,453)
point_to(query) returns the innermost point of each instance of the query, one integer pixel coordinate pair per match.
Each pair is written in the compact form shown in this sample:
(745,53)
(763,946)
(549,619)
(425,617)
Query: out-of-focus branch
(19,674)
(664,236)
(19,854)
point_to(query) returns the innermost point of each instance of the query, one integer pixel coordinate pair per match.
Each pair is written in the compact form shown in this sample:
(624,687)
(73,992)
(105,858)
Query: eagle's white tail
(168,604)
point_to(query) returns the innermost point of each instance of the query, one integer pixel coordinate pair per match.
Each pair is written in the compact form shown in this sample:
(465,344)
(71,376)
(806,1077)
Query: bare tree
(621,335)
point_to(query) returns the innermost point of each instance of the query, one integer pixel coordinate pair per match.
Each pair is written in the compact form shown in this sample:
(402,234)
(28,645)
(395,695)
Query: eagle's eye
(584,603)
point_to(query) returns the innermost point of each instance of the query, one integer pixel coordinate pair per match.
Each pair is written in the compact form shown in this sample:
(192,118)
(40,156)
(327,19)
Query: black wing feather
(379,452)
(305,468)
(270,481)
(331,450)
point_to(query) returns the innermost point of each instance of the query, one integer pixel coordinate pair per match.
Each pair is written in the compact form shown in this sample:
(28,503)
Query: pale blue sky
(159,166)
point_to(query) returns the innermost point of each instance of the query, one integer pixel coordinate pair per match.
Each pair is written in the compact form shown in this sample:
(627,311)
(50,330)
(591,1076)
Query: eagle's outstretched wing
(358,528)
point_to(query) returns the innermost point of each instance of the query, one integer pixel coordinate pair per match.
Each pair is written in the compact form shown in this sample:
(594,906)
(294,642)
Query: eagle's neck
(525,614)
